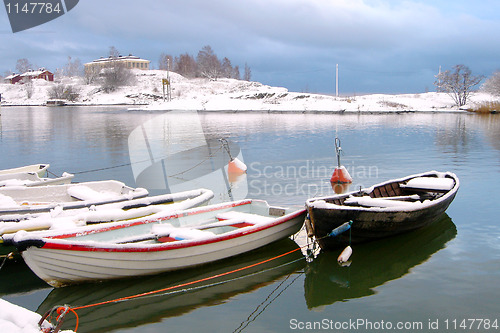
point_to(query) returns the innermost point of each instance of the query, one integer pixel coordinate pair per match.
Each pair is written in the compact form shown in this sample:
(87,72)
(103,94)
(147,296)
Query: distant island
(223,94)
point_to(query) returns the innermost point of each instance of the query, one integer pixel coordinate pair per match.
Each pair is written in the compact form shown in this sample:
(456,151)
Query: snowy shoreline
(229,95)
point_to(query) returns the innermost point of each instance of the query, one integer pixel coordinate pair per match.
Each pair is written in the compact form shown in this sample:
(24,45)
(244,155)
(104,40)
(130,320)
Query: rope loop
(60,311)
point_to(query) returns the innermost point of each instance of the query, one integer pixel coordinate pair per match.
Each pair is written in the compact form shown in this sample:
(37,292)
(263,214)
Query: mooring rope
(62,310)
(163,290)
(249,319)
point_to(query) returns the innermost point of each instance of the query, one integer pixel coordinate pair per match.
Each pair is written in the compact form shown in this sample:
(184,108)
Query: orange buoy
(340,174)
(236,166)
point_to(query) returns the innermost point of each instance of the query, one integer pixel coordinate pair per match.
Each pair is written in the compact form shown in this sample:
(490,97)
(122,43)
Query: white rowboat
(142,247)
(39,169)
(124,210)
(24,200)
(31,179)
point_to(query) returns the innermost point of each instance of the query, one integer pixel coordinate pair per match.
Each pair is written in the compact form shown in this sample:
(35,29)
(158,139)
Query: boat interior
(397,193)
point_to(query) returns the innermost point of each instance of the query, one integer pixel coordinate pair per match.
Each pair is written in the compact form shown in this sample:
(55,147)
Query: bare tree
(458,84)
(227,68)
(92,74)
(185,65)
(73,67)
(63,91)
(115,73)
(164,61)
(28,87)
(113,52)
(23,65)
(236,72)
(247,76)
(209,65)
(492,84)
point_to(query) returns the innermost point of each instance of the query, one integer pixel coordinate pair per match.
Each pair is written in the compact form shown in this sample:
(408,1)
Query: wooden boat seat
(246,217)
(377,202)
(429,184)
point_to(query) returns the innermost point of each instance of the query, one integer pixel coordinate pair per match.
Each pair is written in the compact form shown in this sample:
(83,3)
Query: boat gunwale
(59,242)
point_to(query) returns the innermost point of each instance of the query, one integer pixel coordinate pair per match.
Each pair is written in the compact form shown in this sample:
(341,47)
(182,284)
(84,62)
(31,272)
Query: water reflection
(146,310)
(16,277)
(373,264)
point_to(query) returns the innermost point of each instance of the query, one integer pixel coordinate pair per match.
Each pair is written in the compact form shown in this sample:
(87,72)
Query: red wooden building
(41,73)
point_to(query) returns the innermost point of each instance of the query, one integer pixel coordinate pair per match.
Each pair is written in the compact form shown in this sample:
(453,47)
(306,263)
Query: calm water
(433,276)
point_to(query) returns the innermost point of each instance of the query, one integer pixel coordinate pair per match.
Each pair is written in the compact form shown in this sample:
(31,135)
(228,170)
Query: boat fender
(340,229)
(345,255)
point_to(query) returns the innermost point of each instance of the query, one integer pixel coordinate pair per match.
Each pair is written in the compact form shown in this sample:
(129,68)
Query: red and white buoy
(235,167)
(340,174)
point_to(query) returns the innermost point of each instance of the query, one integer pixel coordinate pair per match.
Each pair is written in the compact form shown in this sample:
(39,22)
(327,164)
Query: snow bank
(15,319)
(230,95)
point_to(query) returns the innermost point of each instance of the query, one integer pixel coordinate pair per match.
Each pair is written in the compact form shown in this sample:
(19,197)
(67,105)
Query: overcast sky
(384,46)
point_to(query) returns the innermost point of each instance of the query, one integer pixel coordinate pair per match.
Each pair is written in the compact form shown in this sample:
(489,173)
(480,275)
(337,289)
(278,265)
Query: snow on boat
(149,246)
(31,179)
(24,200)
(39,169)
(124,210)
(382,210)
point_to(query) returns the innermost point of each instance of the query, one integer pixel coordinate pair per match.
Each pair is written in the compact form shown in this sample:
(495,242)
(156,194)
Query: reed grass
(487,107)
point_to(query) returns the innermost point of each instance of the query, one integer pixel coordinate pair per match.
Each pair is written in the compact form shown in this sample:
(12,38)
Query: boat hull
(62,264)
(369,223)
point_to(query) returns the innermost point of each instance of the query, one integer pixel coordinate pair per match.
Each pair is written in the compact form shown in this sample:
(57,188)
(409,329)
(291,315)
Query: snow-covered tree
(458,83)
(73,67)
(492,84)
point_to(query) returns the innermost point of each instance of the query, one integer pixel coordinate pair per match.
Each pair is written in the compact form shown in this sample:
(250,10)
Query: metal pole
(337,81)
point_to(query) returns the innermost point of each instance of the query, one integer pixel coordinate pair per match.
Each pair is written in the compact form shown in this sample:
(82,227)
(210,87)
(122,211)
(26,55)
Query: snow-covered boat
(124,210)
(39,169)
(24,200)
(31,179)
(382,210)
(149,246)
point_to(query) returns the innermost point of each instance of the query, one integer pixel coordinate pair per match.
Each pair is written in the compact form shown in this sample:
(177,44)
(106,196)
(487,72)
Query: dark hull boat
(383,210)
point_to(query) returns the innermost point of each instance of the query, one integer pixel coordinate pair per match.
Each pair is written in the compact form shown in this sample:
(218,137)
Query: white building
(129,61)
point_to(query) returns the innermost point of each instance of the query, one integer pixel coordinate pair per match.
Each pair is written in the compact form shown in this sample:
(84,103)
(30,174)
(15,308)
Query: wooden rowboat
(150,246)
(382,210)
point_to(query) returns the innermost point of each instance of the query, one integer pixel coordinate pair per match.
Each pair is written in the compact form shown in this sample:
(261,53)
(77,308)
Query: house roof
(110,58)
(11,76)
(35,73)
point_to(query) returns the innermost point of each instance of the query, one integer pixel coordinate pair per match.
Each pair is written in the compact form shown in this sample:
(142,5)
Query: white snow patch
(16,319)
